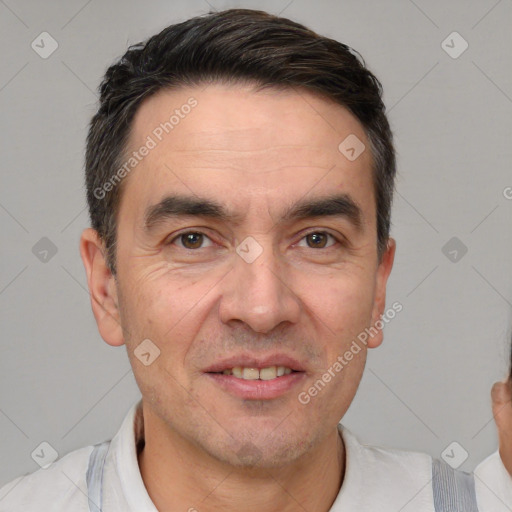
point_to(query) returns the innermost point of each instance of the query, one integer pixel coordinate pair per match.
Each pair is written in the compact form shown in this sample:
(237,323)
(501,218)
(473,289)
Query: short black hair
(232,46)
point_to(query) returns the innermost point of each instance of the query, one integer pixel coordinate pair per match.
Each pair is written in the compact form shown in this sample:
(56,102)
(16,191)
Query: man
(502,410)
(240,172)
(493,476)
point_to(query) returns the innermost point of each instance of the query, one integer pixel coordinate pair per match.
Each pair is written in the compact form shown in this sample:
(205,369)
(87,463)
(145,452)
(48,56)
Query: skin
(501,395)
(256,153)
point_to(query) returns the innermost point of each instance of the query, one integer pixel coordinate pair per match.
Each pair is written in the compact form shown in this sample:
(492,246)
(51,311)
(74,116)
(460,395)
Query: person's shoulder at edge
(399,479)
(62,484)
(493,484)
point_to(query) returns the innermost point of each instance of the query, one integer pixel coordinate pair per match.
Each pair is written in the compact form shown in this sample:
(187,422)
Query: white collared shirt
(493,485)
(375,479)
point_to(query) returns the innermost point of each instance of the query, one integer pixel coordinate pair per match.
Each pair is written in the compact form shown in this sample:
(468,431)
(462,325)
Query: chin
(261,450)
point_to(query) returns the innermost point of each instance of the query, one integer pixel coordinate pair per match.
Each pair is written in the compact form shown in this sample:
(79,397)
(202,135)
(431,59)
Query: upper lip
(250,361)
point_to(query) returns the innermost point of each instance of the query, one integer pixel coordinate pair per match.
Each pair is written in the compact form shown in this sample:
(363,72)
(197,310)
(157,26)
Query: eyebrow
(174,206)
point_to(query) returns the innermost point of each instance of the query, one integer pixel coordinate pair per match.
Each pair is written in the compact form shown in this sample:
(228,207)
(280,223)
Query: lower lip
(257,389)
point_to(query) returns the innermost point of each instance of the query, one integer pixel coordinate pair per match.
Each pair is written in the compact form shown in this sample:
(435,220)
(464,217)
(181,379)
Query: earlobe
(383,272)
(102,288)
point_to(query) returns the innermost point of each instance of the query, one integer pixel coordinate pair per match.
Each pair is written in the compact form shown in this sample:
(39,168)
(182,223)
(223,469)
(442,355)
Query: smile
(247,373)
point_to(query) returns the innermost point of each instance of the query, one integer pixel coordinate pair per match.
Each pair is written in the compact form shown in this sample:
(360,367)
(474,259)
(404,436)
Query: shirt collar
(362,465)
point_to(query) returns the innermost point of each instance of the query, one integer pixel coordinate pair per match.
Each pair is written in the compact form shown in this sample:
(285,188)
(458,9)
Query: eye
(318,239)
(190,240)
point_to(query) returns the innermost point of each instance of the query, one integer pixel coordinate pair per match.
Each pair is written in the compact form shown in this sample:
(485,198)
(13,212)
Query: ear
(501,395)
(102,287)
(383,271)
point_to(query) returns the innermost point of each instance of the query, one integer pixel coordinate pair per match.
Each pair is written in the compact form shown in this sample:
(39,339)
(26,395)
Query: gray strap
(454,491)
(95,476)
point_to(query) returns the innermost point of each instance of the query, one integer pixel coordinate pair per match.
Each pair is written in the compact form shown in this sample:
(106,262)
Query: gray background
(429,384)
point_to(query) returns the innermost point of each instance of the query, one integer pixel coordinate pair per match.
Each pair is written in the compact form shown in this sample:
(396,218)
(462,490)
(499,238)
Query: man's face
(265,286)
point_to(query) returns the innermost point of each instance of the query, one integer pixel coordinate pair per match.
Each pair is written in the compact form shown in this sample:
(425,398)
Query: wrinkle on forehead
(269,159)
(240,118)
(281,143)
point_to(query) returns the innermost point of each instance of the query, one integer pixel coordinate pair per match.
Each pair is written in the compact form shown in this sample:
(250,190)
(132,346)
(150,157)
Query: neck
(179,477)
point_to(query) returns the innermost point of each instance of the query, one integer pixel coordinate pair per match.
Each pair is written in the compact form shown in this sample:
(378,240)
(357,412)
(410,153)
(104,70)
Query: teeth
(268,373)
(250,373)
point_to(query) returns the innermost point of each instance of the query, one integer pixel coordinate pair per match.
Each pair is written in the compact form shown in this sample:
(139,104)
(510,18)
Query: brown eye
(318,239)
(191,240)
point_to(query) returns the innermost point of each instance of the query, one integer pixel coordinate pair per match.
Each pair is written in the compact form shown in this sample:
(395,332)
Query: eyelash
(336,239)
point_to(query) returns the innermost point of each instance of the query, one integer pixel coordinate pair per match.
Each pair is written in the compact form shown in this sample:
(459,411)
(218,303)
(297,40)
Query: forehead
(234,142)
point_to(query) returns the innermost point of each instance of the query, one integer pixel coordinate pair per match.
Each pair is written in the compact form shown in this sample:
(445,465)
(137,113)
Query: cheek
(343,304)
(165,307)
(166,312)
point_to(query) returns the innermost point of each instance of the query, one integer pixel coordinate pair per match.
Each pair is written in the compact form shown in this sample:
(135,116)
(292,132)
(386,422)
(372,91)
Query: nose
(259,293)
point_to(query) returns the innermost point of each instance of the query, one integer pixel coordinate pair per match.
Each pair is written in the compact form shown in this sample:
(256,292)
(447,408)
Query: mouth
(257,379)
(248,373)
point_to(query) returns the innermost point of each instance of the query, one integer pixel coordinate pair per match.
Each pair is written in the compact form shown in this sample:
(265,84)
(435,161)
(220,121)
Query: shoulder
(61,486)
(493,484)
(399,462)
(491,467)
(384,479)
